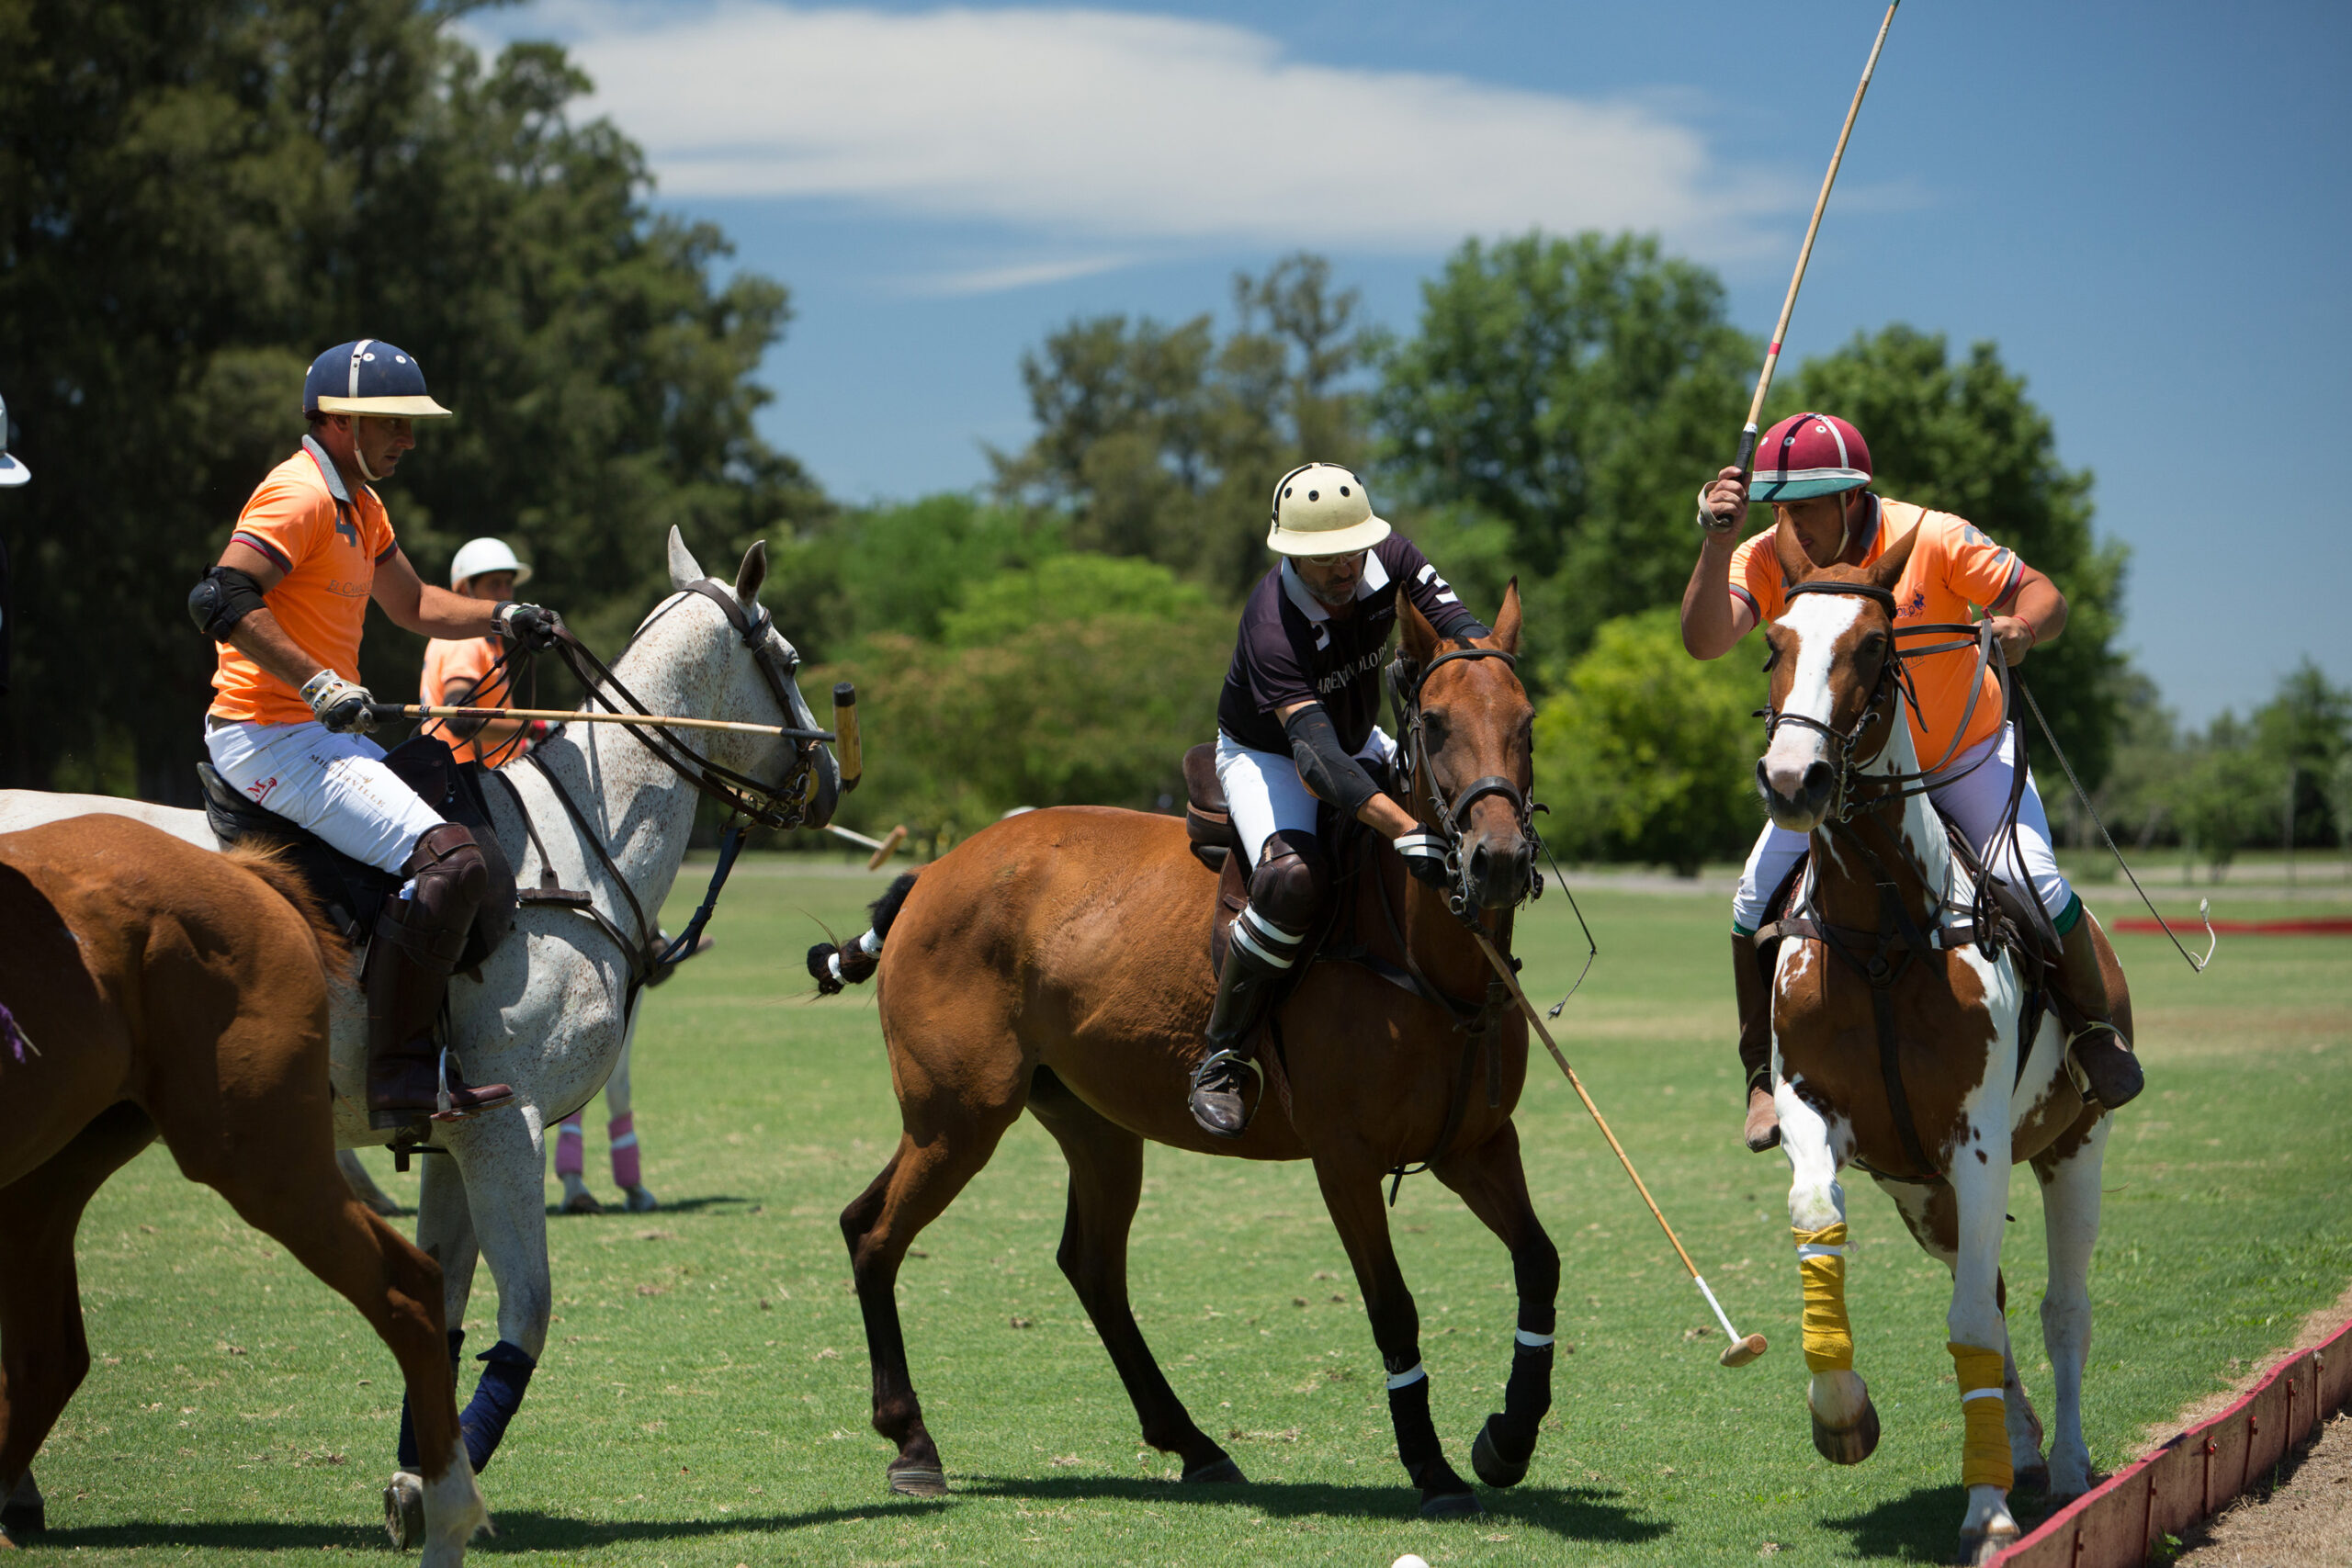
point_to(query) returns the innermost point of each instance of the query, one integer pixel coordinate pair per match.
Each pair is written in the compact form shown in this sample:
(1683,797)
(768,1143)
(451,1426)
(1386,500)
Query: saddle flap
(1207,824)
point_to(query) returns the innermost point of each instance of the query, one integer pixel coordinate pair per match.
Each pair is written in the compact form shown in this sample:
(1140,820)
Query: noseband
(1451,819)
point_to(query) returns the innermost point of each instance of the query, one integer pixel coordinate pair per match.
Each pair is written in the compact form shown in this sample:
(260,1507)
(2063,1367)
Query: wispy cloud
(1019,274)
(1100,126)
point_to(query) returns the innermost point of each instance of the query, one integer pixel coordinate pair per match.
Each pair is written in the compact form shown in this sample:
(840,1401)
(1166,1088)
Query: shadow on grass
(518,1530)
(1923,1525)
(1579,1513)
(617,1210)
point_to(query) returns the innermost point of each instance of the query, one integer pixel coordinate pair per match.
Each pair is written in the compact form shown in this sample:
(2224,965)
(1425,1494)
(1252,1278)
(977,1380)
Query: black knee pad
(1291,883)
(451,876)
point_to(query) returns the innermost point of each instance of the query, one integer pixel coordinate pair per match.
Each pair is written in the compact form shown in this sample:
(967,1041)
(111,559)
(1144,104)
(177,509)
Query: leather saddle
(352,891)
(1208,826)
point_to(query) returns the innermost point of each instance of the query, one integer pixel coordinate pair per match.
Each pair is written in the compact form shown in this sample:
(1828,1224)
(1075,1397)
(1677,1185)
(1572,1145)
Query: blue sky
(2145,206)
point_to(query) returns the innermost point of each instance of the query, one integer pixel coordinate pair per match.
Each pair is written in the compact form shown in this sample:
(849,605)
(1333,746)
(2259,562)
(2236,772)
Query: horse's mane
(274,867)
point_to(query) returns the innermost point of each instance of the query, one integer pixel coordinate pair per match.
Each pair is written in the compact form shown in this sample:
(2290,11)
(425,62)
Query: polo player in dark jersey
(1294,725)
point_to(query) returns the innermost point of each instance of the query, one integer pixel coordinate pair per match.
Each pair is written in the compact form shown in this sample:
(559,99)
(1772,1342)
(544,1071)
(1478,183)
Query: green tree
(2307,725)
(1646,753)
(1164,443)
(1962,436)
(900,567)
(197,197)
(1579,391)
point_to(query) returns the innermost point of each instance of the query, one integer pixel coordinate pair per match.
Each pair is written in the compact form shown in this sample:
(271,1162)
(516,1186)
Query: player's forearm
(260,639)
(453,617)
(2042,607)
(1707,630)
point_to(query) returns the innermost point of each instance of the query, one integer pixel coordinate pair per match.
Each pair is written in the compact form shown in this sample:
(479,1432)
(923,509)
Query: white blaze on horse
(1902,1046)
(554,1003)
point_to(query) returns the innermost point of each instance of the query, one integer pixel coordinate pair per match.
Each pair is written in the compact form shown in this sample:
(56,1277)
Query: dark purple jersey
(1292,650)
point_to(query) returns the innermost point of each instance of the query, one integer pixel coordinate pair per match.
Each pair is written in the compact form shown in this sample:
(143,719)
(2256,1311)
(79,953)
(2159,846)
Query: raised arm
(1714,619)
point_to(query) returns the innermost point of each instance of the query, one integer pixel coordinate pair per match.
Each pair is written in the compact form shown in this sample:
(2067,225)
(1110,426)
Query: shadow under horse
(1059,962)
(151,988)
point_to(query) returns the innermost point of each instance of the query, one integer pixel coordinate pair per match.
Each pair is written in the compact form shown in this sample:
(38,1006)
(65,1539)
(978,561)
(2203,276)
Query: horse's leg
(503,1168)
(1105,1179)
(2069,1170)
(620,1126)
(43,1353)
(945,1144)
(444,1229)
(1934,1224)
(1352,1192)
(1845,1422)
(363,1185)
(1492,1182)
(1978,1338)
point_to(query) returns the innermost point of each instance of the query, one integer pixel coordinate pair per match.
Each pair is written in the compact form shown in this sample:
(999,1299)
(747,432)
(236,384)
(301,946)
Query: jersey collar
(1374,579)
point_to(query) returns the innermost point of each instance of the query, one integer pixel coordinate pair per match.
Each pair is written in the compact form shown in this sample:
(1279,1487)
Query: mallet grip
(846,749)
(1746,461)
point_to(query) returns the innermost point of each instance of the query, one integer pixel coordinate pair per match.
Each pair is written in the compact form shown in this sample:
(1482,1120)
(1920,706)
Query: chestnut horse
(1926,1063)
(149,987)
(1059,962)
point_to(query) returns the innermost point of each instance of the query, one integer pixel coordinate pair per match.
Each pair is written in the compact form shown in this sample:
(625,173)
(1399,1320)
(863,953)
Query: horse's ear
(1888,570)
(753,572)
(1789,550)
(1507,619)
(685,570)
(1415,636)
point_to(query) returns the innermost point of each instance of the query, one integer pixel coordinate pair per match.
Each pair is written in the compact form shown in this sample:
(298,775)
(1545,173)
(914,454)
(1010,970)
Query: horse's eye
(1873,647)
(1433,730)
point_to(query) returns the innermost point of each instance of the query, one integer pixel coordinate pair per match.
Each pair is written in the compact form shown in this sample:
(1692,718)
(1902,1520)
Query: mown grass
(703,1397)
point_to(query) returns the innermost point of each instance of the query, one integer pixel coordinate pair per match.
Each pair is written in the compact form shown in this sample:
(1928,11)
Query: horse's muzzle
(1796,799)
(1496,872)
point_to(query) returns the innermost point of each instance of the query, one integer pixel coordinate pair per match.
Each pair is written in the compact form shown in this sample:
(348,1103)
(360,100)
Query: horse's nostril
(1818,778)
(1478,862)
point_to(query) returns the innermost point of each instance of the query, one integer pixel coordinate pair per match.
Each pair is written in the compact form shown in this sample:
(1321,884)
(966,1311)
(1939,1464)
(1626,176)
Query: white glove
(1424,855)
(346,709)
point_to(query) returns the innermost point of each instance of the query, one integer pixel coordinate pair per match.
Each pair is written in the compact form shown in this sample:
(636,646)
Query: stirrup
(1221,1058)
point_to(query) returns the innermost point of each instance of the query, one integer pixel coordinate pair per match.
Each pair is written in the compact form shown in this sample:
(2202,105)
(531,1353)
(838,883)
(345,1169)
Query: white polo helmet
(1322,509)
(12,470)
(476,556)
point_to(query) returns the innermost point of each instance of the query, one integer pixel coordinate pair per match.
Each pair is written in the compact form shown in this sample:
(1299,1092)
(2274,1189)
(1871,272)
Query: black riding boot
(1259,960)
(2101,1050)
(1751,985)
(418,940)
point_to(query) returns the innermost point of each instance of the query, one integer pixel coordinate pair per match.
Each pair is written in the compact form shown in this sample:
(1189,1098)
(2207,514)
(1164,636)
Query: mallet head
(1745,1351)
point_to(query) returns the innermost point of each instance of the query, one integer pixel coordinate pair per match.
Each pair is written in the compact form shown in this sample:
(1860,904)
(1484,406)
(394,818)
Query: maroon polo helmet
(1807,455)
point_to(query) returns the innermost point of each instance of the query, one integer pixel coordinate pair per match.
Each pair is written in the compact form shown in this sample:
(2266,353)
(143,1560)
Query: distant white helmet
(1322,509)
(476,556)
(12,470)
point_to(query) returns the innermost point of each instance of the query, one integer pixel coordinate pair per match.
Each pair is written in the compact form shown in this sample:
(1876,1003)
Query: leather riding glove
(342,707)
(532,626)
(1424,855)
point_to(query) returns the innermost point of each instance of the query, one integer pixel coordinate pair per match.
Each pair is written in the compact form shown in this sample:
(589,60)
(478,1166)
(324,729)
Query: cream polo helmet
(1322,509)
(476,556)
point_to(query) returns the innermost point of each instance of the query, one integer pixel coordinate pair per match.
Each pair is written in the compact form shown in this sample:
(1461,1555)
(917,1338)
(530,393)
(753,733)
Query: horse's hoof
(1221,1471)
(1492,1468)
(1853,1445)
(1452,1506)
(1978,1548)
(404,1512)
(918,1480)
(641,1200)
(19,1522)
(583,1203)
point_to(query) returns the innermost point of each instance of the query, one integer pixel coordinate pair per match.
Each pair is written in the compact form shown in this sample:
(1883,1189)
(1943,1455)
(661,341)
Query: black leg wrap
(496,1398)
(407,1449)
(1442,1490)
(1507,1442)
(1536,1271)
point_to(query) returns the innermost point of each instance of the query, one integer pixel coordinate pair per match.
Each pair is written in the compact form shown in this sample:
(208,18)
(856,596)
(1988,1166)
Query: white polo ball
(1410,1559)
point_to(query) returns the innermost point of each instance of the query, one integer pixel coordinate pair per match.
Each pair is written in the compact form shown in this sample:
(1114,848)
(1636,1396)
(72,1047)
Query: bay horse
(601,817)
(149,988)
(1896,1049)
(1058,962)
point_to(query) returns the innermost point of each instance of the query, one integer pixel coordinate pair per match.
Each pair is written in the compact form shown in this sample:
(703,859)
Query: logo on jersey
(1913,607)
(345,526)
(1355,669)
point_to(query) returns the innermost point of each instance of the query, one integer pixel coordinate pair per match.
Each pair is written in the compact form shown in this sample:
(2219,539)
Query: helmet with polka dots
(1807,455)
(368,375)
(1322,509)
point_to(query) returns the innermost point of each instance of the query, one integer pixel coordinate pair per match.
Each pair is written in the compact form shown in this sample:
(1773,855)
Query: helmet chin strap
(359,455)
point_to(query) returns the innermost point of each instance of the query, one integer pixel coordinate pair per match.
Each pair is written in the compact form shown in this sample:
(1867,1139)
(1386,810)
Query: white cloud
(1098,126)
(1018,275)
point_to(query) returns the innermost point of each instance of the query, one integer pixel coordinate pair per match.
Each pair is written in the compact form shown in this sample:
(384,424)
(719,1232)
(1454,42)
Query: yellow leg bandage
(1985,1447)
(1821,1264)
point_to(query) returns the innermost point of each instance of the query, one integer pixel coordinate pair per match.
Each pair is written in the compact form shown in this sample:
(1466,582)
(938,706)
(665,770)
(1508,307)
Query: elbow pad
(1325,764)
(221,599)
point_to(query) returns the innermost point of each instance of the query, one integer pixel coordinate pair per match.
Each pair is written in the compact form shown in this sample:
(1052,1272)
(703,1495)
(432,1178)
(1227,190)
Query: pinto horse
(1059,962)
(1923,1060)
(151,988)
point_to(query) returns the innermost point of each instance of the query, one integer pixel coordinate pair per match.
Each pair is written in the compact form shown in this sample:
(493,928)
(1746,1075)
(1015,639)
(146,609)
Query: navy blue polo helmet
(368,376)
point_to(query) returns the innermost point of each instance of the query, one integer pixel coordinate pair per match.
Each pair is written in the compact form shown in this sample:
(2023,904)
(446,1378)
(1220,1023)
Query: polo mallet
(1788,306)
(1741,1350)
(586,716)
(883,847)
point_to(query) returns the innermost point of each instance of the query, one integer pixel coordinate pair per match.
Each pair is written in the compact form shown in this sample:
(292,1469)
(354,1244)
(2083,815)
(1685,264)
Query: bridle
(1451,819)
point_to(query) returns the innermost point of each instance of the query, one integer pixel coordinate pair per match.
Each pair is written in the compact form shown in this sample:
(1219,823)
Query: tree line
(197,197)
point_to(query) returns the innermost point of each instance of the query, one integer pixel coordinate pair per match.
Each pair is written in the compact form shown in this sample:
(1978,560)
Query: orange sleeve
(455,672)
(376,524)
(1973,566)
(285,520)
(1756,577)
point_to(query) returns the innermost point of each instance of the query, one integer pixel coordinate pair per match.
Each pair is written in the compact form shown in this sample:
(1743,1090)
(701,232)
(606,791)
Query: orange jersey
(1955,570)
(329,551)
(459,675)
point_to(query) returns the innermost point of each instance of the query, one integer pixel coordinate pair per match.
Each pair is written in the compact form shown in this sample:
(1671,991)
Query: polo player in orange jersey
(286,606)
(1814,469)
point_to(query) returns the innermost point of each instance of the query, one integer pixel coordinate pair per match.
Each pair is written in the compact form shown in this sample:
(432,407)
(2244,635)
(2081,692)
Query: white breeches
(335,785)
(1265,794)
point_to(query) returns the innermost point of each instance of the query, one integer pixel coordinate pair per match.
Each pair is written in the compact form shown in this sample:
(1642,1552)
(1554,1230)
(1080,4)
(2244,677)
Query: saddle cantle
(352,891)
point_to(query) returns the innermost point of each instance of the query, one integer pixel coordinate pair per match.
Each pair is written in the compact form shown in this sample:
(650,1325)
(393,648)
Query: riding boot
(418,940)
(1751,985)
(2105,1057)
(1256,963)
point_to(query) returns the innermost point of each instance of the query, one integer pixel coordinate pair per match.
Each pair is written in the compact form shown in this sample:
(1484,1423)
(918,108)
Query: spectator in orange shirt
(1814,469)
(462,673)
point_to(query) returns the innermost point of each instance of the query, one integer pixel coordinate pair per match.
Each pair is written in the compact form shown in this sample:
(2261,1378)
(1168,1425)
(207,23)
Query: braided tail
(835,966)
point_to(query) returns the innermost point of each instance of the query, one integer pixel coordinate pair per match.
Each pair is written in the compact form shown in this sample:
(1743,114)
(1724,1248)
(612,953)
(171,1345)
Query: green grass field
(703,1396)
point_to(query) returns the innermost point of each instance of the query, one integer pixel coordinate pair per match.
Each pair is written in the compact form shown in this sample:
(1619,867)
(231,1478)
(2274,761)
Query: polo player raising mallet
(1294,724)
(288,726)
(1814,469)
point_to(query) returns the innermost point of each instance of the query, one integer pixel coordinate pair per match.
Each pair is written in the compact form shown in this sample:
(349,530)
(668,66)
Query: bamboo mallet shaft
(570,716)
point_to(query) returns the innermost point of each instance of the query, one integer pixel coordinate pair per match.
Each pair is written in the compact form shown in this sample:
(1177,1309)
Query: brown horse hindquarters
(194,1002)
